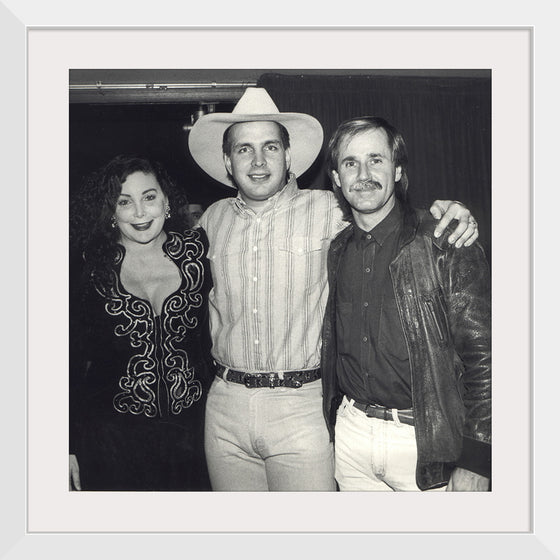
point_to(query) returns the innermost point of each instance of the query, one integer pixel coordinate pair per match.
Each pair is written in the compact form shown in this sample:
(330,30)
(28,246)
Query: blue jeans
(372,454)
(267,439)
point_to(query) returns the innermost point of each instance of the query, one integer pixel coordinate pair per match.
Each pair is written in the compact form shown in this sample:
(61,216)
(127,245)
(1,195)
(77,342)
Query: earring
(113,222)
(167,212)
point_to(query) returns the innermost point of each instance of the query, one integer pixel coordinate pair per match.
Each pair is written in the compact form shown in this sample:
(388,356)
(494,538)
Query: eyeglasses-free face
(140,208)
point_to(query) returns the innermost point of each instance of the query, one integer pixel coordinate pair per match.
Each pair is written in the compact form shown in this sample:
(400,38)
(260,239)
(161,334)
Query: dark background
(444,116)
(100,132)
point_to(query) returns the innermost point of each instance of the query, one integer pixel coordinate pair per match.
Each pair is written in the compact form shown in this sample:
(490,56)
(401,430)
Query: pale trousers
(267,439)
(373,454)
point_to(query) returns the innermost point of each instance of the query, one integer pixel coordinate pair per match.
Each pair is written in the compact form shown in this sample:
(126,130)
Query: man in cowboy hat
(268,247)
(406,365)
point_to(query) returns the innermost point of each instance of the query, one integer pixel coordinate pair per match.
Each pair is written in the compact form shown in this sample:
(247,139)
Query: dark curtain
(446,124)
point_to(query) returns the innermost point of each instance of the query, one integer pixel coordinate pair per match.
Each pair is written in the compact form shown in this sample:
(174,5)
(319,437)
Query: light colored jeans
(372,454)
(267,439)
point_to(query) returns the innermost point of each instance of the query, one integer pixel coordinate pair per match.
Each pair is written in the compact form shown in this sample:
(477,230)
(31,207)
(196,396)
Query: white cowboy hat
(205,137)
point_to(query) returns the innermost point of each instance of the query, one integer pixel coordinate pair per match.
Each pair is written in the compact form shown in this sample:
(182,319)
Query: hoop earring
(167,212)
(113,222)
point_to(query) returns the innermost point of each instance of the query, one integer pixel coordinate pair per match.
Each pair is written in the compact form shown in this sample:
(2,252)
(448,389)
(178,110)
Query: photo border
(531,543)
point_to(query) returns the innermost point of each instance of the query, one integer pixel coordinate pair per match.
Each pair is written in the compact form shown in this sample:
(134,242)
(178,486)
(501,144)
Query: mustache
(367,185)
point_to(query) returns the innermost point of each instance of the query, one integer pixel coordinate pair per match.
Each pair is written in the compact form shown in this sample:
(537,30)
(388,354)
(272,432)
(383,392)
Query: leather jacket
(443,299)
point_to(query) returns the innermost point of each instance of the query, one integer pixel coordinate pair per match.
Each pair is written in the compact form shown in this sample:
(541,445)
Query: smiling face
(140,208)
(367,175)
(258,161)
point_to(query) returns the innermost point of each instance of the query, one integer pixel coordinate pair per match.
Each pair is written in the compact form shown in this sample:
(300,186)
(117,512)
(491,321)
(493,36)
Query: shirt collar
(278,199)
(383,229)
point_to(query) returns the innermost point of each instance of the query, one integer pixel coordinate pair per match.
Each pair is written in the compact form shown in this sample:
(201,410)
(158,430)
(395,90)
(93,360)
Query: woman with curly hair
(139,340)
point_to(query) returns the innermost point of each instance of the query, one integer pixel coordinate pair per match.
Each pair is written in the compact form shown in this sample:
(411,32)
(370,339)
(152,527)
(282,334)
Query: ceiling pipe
(177,92)
(100,86)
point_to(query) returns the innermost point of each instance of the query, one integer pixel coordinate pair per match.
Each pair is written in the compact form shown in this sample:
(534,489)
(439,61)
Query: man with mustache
(268,246)
(406,338)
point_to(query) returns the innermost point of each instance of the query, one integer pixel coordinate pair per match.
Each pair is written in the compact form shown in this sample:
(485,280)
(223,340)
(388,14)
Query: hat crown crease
(255,101)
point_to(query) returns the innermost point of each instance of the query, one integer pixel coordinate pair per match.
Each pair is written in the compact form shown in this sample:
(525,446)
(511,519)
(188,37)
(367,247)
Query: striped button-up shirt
(270,278)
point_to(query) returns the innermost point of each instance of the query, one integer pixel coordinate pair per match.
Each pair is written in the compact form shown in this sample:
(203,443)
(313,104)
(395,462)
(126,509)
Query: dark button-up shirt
(373,364)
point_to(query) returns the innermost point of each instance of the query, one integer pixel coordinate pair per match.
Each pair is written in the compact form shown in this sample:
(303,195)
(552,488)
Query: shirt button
(368,269)
(364,339)
(368,236)
(366,303)
(254,278)
(256,341)
(254,311)
(255,248)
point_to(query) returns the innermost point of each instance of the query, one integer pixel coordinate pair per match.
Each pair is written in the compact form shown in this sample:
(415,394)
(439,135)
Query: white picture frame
(42,512)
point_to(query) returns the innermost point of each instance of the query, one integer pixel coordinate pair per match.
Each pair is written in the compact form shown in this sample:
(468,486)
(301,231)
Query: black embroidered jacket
(126,361)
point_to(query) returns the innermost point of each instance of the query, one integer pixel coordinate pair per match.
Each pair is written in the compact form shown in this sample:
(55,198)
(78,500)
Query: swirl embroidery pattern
(136,321)
(179,319)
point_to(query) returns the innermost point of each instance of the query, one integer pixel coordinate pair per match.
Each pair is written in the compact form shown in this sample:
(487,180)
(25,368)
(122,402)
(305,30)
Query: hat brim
(205,140)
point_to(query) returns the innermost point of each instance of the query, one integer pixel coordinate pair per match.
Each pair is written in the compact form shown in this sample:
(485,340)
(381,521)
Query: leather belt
(291,379)
(384,413)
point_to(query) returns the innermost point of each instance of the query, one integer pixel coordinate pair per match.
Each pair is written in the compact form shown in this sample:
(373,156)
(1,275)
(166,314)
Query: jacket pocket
(436,316)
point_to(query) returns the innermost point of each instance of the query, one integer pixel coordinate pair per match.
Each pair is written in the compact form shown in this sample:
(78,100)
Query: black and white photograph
(278,286)
(277,282)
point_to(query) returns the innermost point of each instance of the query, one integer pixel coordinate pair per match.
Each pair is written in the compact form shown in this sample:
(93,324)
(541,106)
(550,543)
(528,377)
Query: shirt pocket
(299,245)
(303,262)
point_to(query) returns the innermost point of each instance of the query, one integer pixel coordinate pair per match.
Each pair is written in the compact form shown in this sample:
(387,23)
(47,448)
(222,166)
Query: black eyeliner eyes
(126,201)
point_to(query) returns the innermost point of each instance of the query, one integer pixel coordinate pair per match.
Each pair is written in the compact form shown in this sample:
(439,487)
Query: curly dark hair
(93,205)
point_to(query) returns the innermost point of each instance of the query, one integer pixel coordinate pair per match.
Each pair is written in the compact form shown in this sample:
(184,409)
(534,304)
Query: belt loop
(350,402)
(226,371)
(280,374)
(396,418)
